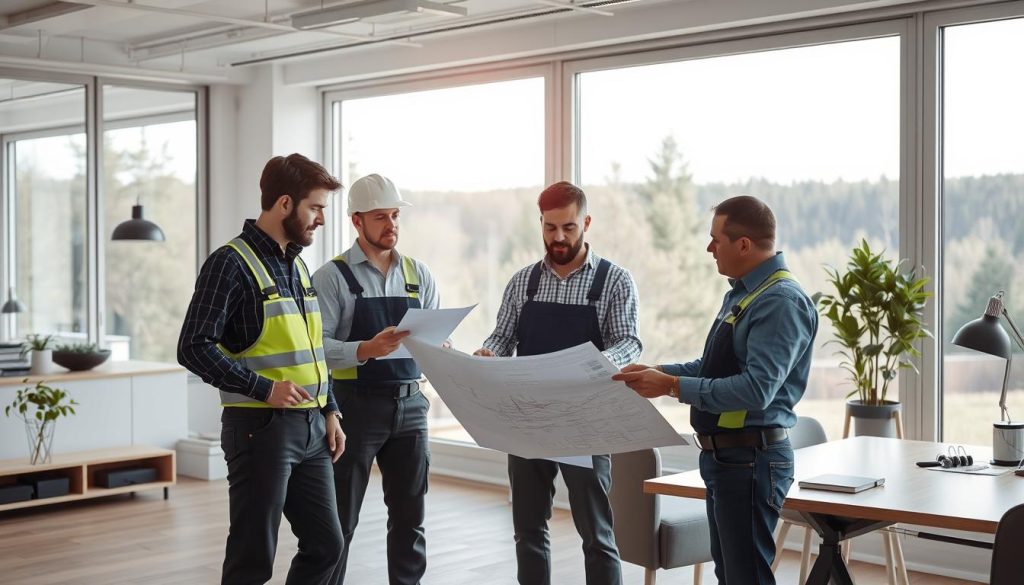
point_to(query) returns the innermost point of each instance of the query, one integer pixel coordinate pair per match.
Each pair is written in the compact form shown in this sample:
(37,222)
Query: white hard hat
(374,192)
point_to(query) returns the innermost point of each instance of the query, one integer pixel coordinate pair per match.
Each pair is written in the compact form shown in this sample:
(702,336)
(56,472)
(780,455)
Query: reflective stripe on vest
(412,290)
(736,419)
(289,347)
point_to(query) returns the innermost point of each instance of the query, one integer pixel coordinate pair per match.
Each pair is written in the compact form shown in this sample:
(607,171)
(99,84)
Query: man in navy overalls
(743,389)
(571,297)
(365,292)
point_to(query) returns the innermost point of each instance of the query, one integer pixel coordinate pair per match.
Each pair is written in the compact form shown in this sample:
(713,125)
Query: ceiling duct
(369,9)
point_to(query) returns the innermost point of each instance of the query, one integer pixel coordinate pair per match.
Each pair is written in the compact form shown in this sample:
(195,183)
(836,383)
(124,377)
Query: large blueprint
(554,405)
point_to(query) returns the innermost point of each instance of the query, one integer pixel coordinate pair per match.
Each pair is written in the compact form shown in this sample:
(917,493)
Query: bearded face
(563,230)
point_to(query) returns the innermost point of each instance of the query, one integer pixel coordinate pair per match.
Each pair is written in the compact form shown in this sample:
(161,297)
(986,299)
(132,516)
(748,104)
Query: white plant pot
(873,420)
(42,361)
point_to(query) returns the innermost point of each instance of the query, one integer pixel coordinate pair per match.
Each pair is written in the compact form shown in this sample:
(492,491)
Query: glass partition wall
(69,178)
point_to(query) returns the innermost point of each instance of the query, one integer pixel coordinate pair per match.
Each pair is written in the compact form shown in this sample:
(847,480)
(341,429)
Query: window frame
(97,235)
(932,173)
(338,228)
(920,203)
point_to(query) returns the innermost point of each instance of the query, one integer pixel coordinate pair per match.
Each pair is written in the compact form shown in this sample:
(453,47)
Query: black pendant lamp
(138,228)
(13,305)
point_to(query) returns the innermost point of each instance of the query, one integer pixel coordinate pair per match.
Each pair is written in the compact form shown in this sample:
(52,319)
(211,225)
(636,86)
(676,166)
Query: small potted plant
(79,356)
(40,406)
(876,313)
(42,354)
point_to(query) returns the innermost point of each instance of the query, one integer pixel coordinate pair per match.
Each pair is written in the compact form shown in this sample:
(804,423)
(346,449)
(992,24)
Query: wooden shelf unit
(81,468)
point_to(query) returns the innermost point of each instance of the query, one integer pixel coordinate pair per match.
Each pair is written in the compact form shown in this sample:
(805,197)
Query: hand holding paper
(429,326)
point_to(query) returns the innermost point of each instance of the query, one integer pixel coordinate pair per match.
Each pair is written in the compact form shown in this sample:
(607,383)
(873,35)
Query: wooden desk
(911,494)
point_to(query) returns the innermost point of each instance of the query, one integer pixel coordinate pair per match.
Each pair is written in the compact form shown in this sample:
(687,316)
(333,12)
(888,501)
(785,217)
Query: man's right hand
(285,394)
(483,351)
(381,345)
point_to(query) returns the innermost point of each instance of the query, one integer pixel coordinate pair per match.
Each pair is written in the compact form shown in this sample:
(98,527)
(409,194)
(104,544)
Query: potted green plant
(40,406)
(876,313)
(42,353)
(79,356)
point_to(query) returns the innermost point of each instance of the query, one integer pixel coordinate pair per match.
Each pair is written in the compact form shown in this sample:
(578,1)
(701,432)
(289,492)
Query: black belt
(393,390)
(753,437)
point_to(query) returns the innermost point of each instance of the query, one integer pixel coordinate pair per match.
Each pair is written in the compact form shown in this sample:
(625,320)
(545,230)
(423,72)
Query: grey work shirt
(337,303)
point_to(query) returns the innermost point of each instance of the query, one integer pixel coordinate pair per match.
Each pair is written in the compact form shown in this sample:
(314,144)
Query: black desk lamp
(987,335)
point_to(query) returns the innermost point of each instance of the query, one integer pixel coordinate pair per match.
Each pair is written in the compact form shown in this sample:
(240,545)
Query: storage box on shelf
(86,473)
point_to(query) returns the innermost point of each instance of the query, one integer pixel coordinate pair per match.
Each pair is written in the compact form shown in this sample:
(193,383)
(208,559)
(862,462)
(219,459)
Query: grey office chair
(1007,562)
(656,532)
(806,433)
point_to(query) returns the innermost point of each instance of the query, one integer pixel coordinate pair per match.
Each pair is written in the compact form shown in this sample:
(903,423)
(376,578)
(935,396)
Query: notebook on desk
(850,484)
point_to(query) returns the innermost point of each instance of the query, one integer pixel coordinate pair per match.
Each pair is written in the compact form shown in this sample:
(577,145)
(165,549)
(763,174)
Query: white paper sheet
(431,326)
(561,404)
(976,469)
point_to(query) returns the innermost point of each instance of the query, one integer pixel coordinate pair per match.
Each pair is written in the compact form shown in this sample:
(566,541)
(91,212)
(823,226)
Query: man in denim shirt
(743,389)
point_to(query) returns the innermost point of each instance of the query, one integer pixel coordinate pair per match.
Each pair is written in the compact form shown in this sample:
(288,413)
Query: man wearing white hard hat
(364,293)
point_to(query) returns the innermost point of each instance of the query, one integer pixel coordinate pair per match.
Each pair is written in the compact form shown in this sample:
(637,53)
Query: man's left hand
(335,437)
(647,382)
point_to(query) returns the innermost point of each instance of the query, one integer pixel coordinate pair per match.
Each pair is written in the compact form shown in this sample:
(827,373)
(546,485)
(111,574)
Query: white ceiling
(192,36)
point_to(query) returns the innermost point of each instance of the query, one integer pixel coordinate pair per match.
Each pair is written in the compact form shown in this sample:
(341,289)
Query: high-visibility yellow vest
(290,347)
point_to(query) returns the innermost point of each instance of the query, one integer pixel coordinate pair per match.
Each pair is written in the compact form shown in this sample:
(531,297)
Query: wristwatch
(673,390)
(337,413)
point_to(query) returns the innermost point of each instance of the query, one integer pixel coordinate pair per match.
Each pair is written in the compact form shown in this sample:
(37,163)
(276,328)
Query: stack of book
(12,361)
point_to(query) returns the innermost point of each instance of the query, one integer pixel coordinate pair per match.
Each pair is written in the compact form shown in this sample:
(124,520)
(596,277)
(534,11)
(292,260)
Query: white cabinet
(119,404)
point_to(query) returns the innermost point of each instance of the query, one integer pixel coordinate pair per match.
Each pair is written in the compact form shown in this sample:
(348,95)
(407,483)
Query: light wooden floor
(147,540)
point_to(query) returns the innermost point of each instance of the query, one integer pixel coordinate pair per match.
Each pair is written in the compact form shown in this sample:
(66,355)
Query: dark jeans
(278,462)
(394,431)
(533,489)
(745,490)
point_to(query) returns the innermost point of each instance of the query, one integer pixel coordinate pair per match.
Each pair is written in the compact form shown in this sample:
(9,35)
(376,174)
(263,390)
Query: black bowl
(77,361)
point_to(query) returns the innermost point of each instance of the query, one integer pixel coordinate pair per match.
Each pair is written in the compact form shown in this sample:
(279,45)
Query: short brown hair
(562,194)
(293,175)
(748,217)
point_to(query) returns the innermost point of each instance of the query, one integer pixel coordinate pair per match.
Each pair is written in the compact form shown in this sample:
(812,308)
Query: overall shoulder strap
(346,272)
(741,307)
(597,287)
(533,284)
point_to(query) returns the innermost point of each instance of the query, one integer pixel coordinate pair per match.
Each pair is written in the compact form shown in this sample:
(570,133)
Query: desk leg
(829,567)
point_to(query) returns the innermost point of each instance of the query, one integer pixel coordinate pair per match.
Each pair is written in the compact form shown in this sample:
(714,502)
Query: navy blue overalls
(544,328)
(385,418)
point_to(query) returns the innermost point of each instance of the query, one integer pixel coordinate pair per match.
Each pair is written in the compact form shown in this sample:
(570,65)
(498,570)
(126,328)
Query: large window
(50,227)
(813,130)
(983,214)
(45,163)
(471,160)
(149,156)
(64,192)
